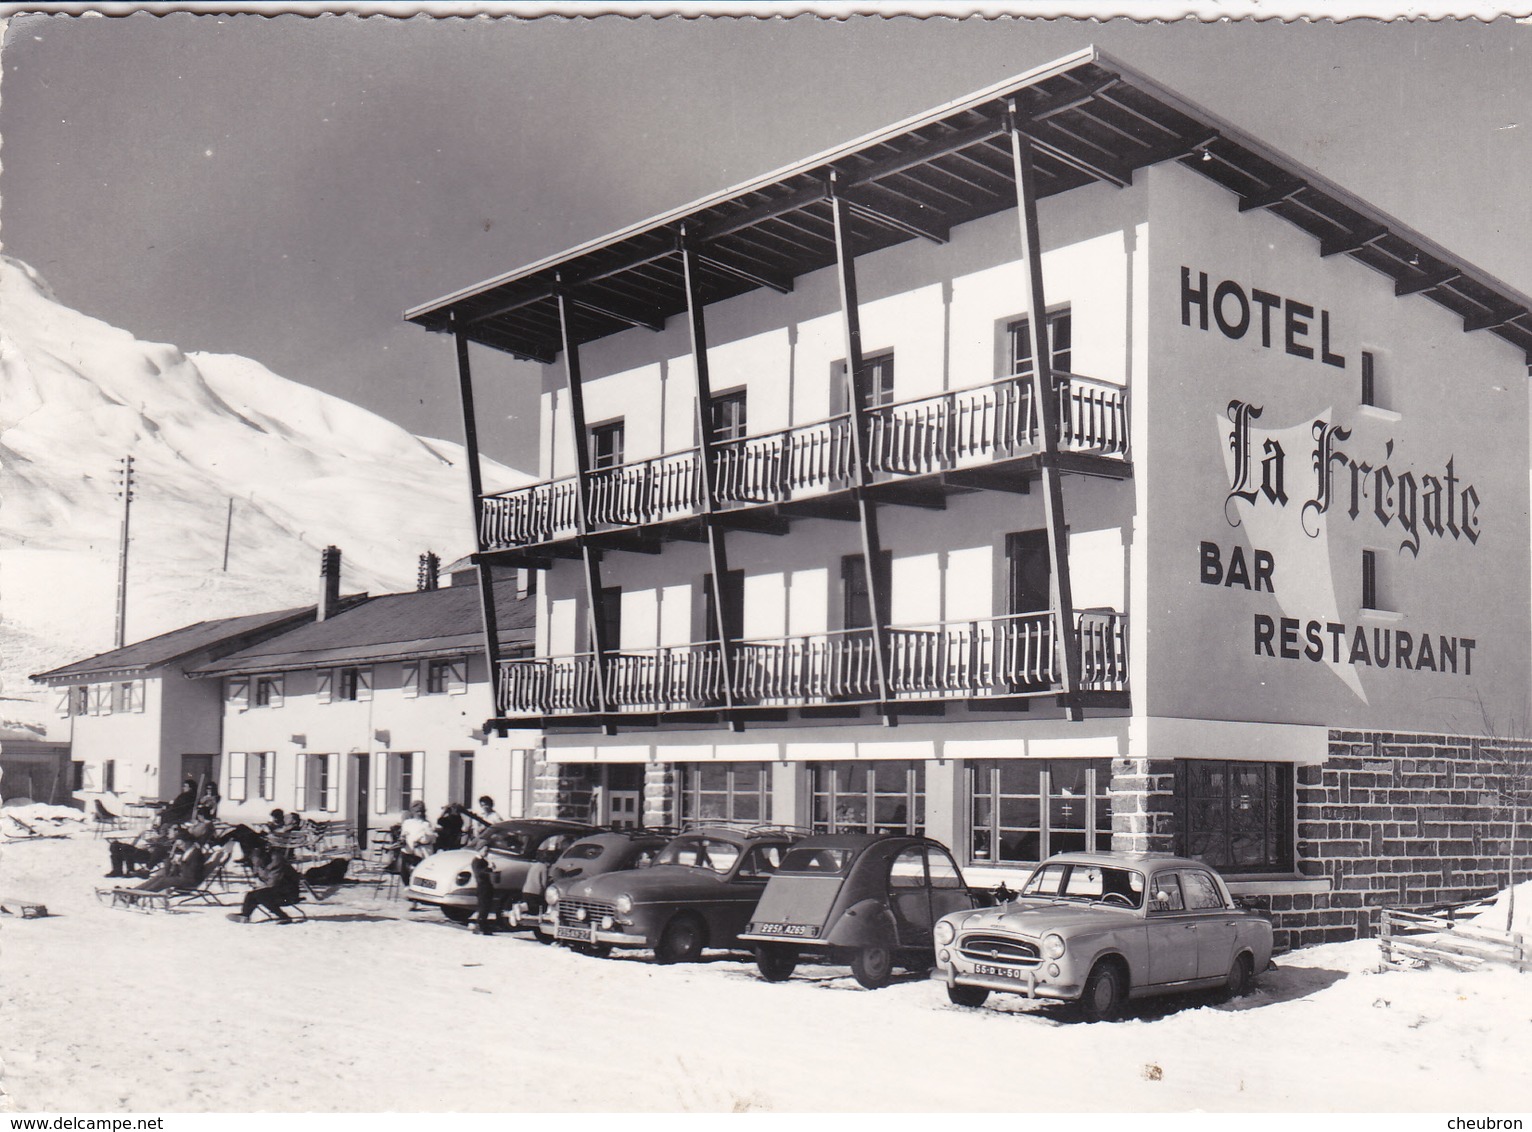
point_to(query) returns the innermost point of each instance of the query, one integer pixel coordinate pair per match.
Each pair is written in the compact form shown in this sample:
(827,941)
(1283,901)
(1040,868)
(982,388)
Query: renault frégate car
(1098,929)
(597,853)
(699,892)
(445,879)
(868,900)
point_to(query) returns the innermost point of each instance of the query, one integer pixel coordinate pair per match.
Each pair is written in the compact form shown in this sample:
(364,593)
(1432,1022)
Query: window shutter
(101,699)
(276,690)
(237,692)
(301,783)
(411,686)
(238,769)
(380,767)
(326,682)
(268,776)
(364,684)
(139,693)
(417,785)
(457,676)
(332,783)
(120,696)
(65,702)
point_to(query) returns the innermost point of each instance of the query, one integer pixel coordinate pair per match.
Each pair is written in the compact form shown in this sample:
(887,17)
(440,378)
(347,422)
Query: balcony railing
(946,431)
(783,465)
(974,659)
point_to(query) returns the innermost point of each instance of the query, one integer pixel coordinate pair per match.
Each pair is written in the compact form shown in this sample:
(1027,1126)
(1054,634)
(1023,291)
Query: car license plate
(1003,972)
(582,935)
(422,882)
(805,930)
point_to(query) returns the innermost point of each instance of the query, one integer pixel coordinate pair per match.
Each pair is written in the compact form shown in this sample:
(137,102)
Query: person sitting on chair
(183,868)
(145,851)
(416,837)
(279,887)
(207,805)
(181,806)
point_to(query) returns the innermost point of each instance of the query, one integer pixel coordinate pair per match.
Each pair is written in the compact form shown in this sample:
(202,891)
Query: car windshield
(585,851)
(1064,880)
(824,862)
(508,841)
(700,853)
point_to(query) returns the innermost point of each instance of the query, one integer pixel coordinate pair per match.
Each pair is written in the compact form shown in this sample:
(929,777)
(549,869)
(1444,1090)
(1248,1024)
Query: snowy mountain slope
(303,469)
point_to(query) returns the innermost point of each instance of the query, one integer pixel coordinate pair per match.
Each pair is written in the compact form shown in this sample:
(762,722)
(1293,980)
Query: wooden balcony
(952,440)
(986,659)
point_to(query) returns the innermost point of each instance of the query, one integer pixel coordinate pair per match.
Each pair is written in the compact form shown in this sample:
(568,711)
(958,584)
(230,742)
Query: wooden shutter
(65,702)
(322,691)
(268,775)
(301,783)
(380,781)
(411,685)
(457,676)
(417,774)
(237,692)
(332,782)
(364,684)
(238,769)
(140,694)
(276,691)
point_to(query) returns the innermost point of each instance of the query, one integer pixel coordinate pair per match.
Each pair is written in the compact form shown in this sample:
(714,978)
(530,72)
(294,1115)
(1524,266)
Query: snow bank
(1495,917)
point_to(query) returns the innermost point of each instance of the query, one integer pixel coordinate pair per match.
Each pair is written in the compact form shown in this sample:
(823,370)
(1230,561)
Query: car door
(744,892)
(909,897)
(948,892)
(1217,924)
(1171,931)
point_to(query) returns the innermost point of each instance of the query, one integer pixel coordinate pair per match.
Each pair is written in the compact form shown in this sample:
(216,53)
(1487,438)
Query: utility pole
(125,492)
(228,531)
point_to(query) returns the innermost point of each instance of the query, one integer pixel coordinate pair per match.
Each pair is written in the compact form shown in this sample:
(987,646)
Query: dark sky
(284,188)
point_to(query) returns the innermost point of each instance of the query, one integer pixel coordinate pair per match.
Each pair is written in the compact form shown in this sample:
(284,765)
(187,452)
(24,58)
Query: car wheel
(967,996)
(1105,991)
(597,950)
(681,942)
(458,915)
(873,967)
(1240,977)
(775,962)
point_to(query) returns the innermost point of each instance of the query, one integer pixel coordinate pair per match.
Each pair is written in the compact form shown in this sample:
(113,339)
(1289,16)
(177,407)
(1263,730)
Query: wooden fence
(1438,939)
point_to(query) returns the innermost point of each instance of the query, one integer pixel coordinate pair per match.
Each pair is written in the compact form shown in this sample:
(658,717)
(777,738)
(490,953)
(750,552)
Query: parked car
(699,893)
(606,852)
(1098,929)
(869,900)
(446,879)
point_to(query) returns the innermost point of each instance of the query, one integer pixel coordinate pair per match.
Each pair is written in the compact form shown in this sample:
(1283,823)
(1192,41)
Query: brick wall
(1143,805)
(1399,821)
(660,795)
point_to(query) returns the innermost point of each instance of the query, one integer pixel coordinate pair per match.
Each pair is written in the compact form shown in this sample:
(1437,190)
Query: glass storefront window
(724,791)
(885,796)
(1235,816)
(1023,810)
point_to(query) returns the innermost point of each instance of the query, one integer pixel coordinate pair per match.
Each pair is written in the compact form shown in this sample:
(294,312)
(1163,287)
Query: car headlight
(551,895)
(1053,946)
(945,931)
(623,904)
(463,878)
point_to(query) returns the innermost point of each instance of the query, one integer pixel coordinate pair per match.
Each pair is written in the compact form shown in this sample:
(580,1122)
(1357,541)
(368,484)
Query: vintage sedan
(1098,929)
(445,879)
(611,851)
(869,900)
(699,892)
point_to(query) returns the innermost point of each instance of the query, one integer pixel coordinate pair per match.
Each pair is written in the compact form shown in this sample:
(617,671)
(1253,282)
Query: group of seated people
(415,837)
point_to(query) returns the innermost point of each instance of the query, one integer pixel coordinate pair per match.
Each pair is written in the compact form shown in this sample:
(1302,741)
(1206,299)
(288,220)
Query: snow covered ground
(369,1007)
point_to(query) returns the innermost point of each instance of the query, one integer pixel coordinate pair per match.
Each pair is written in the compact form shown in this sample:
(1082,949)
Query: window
(606,445)
(447,676)
(82,699)
(1376,386)
(729,416)
(268,691)
(77,769)
(725,791)
(1029,572)
(348,683)
(1377,588)
(875,384)
(236,692)
(734,609)
(462,778)
(1235,815)
(397,780)
(109,776)
(856,604)
(1060,341)
(1369,378)
(436,678)
(1030,809)
(611,616)
(251,776)
(881,796)
(318,783)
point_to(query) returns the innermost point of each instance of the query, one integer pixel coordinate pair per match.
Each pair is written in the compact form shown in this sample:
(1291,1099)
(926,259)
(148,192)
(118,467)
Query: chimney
(329,583)
(429,575)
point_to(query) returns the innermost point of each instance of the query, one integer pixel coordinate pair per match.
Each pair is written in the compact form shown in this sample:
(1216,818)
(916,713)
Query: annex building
(1059,469)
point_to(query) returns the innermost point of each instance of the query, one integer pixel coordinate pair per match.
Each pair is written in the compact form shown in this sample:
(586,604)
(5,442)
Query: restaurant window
(877,796)
(725,791)
(729,421)
(1029,809)
(1235,815)
(1060,341)
(606,445)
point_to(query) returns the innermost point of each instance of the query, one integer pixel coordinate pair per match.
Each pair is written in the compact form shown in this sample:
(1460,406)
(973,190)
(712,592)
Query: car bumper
(442,899)
(1028,983)
(815,942)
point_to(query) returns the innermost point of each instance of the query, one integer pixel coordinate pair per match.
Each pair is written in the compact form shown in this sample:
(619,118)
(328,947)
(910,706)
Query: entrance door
(624,790)
(201,769)
(361,778)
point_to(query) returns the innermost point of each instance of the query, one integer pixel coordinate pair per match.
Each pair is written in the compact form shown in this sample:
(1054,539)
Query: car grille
(594,911)
(997,949)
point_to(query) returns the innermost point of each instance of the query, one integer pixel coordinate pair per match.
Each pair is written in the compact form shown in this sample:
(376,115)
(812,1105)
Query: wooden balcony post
(590,557)
(475,492)
(1047,411)
(867,511)
(717,551)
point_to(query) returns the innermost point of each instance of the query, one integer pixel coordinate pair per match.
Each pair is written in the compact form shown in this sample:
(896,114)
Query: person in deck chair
(146,852)
(181,806)
(279,887)
(184,868)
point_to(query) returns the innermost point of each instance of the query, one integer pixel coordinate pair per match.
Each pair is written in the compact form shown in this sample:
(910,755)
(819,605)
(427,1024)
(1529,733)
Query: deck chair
(214,883)
(295,913)
(105,820)
(325,879)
